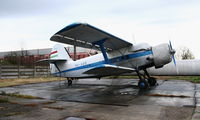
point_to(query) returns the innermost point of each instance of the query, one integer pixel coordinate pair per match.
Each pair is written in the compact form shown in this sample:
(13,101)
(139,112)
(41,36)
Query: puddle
(127,91)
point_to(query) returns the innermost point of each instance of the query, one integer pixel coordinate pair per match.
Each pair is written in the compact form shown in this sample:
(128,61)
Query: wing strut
(57,68)
(100,43)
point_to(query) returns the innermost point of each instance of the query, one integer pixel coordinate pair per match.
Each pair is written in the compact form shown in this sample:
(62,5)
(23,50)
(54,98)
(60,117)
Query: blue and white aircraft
(117,55)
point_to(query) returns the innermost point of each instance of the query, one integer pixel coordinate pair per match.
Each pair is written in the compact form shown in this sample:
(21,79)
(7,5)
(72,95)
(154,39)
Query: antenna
(133,39)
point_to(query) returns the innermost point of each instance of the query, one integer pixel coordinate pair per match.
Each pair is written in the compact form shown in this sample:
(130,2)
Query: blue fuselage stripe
(112,61)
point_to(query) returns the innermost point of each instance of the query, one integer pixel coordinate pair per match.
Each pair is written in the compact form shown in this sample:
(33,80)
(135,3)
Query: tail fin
(59,52)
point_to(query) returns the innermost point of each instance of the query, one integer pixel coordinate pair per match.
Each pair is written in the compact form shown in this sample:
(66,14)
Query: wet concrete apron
(121,92)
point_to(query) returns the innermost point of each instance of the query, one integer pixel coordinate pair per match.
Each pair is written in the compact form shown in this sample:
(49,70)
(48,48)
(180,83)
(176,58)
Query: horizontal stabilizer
(58,54)
(106,69)
(50,60)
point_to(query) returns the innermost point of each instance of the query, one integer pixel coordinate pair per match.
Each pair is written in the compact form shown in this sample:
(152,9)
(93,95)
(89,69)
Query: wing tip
(70,26)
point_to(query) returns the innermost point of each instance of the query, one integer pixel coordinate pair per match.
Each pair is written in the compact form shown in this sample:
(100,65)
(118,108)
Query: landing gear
(152,81)
(69,83)
(143,84)
(145,80)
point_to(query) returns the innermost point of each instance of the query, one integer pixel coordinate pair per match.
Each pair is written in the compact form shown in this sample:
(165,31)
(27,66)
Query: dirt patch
(32,104)
(48,102)
(22,81)
(164,95)
(13,109)
(10,107)
(53,107)
(3,108)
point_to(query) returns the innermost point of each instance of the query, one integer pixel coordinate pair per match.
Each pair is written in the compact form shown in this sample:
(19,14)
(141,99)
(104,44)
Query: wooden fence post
(18,67)
(0,71)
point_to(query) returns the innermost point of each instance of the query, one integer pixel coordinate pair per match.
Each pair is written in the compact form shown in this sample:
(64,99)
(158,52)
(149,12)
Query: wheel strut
(143,83)
(145,80)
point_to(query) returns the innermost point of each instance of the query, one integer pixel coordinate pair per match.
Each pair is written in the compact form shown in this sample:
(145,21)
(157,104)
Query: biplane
(117,55)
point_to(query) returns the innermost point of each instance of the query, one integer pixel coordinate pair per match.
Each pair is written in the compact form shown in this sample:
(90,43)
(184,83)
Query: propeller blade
(170,44)
(173,57)
(174,60)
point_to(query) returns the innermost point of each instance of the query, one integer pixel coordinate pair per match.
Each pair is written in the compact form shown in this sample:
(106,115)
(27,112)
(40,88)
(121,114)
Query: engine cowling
(161,55)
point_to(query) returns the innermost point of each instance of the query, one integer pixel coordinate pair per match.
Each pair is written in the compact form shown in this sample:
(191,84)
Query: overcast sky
(29,24)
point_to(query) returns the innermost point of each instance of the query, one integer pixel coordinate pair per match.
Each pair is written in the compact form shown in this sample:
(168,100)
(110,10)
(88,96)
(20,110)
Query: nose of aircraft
(163,54)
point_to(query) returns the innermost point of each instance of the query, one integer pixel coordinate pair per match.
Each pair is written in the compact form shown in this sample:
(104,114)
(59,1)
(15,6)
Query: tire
(69,82)
(152,81)
(143,84)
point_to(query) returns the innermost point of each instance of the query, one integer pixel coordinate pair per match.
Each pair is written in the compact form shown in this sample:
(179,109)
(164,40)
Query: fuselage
(132,57)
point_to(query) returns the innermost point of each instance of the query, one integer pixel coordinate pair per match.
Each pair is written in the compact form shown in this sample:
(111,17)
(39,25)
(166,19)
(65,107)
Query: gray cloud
(31,7)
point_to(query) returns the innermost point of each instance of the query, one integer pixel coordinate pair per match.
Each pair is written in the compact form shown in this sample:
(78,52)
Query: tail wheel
(143,84)
(69,82)
(152,81)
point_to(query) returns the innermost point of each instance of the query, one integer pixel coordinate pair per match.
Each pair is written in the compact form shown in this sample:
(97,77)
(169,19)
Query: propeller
(172,51)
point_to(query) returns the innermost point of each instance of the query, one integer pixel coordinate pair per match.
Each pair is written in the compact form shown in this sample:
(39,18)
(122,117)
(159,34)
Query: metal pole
(34,71)
(74,51)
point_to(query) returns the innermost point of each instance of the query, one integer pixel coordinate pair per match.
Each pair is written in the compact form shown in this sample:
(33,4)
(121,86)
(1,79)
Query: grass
(23,96)
(194,79)
(19,95)
(20,81)
(3,100)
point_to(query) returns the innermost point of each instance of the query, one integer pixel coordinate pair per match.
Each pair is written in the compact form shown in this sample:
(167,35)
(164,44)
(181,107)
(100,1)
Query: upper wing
(85,35)
(106,69)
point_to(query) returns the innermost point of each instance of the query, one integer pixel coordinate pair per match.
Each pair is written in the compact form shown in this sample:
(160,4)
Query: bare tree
(11,58)
(184,53)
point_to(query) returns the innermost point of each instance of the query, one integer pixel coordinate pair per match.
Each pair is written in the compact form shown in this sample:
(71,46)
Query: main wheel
(152,81)
(143,84)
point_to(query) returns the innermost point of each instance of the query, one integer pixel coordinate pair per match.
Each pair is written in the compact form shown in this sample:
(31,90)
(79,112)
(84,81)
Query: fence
(7,72)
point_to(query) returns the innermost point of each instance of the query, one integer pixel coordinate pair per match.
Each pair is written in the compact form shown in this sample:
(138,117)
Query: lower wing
(106,69)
